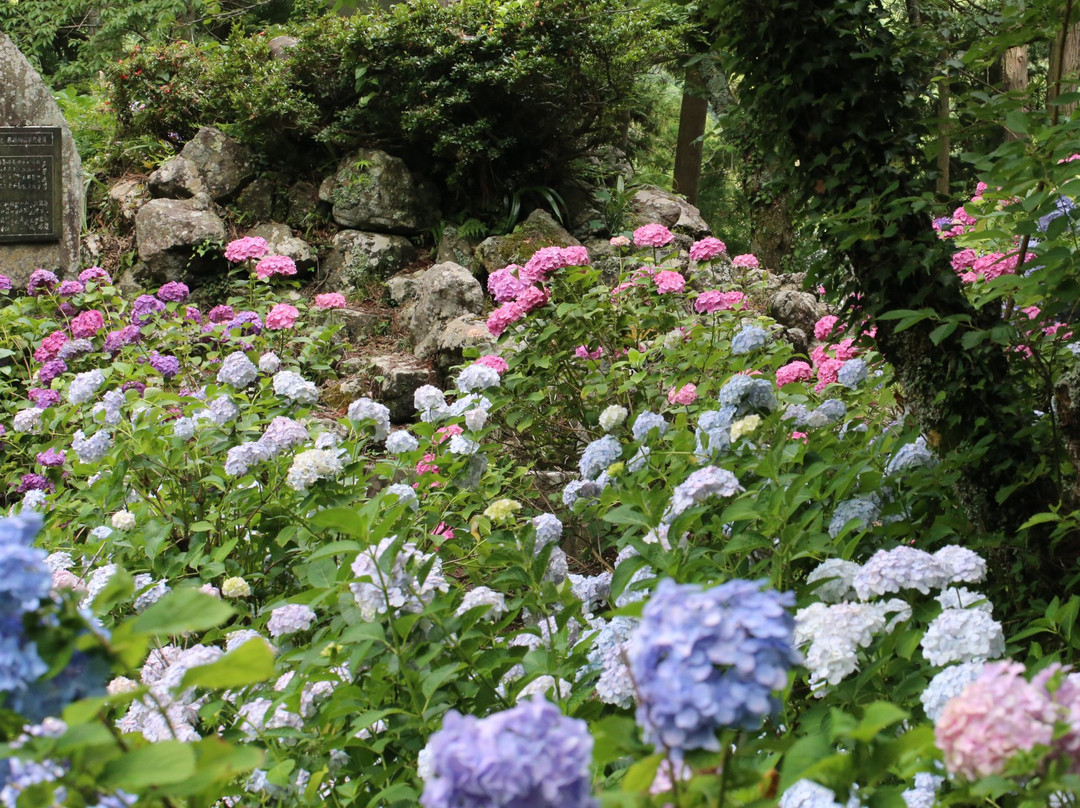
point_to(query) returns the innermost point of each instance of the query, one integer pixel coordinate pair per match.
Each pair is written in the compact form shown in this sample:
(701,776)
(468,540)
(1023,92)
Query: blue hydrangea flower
(707,659)
(909,456)
(743,394)
(530,756)
(598,455)
(866,509)
(751,338)
(646,422)
(852,373)
(828,412)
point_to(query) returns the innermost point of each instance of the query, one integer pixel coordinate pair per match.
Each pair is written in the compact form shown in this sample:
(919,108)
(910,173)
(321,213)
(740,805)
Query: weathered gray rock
(257,198)
(281,45)
(798,340)
(128,195)
(452,247)
(356,256)
(358,325)
(404,287)
(538,230)
(211,163)
(394,379)
(652,204)
(25,100)
(446,291)
(373,191)
(169,233)
(466,331)
(282,241)
(794,309)
(302,204)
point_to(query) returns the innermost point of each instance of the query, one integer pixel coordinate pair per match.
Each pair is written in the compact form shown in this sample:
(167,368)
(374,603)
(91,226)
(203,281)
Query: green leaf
(249,663)
(627,515)
(876,717)
(183,610)
(152,765)
(803,754)
(640,776)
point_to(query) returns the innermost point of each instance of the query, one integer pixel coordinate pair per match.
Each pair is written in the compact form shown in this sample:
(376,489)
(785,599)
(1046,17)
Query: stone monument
(41,181)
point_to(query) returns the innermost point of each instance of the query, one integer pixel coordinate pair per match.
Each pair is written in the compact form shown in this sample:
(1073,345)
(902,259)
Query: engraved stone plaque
(30,184)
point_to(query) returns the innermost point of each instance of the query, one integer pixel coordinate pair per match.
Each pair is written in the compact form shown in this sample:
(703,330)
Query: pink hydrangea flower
(444,531)
(714,300)
(994,718)
(500,319)
(87,324)
(827,371)
(622,287)
(533,297)
(275,265)
(575,256)
(427,465)
(684,395)
(619,241)
(845,349)
(962,217)
(824,327)
(797,371)
(95,274)
(330,300)
(583,352)
(543,262)
(800,436)
(493,361)
(70,288)
(746,261)
(668,281)
(245,248)
(50,346)
(444,433)
(707,249)
(652,235)
(504,284)
(282,316)
(963,260)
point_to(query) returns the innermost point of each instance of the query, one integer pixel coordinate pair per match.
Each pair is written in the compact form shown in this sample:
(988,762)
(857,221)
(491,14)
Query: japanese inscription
(30,185)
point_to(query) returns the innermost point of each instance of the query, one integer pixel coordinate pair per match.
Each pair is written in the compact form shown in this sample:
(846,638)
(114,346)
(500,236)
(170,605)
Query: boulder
(358,325)
(281,45)
(282,241)
(356,256)
(446,291)
(538,230)
(404,287)
(466,331)
(211,163)
(257,199)
(652,204)
(454,247)
(373,191)
(794,309)
(302,204)
(170,235)
(128,195)
(394,379)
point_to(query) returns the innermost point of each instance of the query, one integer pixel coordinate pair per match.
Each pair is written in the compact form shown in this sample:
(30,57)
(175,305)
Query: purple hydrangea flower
(221,314)
(247,321)
(168,366)
(51,457)
(50,370)
(34,482)
(43,397)
(192,314)
(5,283)
(173,292)
(95,274)
(137,386)
(69,288)
(707,659)
(144,307)
(41,279)
(115,340)
(530,756)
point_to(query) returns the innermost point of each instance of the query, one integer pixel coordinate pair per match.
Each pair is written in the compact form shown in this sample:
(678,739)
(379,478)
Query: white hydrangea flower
(428,397)
(483,596)
(311,466)
(924,794)
(237,371)
(406,494)
(93,449)
(269,362)
(947,685)
(612,416)
(289,619)
(28,421)
(295,388)
(963,635)
(184,428)
(84,385)
(961,564)
(123,520)
(960,597)
(475,419)
(365,409)
(477,377)
(401,441)
(240,459)
(808,794)
(376,590)
(839,578)
(890,571)
(461,445)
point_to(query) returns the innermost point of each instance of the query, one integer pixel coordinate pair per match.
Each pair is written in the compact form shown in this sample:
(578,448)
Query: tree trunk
(688,148)
(1014,71)
(1064,63)
(944,138)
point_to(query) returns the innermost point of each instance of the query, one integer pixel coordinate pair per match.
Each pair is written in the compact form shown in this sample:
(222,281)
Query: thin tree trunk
(1014,70)
(688,148)
(1064,63)
(944,137)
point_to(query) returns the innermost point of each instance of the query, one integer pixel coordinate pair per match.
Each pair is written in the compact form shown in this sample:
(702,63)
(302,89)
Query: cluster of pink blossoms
(87,324)
(583,352)
(282,316)
(493,361)
(707,249)
(243,249)
(971,266)
(1001,714)
(714,300)
(330,300)
(797,371)
(828,359)
(273,265)
(959,223)
(667,282)
(745,261)
(652,235)
(517,289)
(685,395)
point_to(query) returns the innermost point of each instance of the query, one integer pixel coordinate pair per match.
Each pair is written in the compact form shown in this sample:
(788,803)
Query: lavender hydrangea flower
(865,509)
(706,659)
(902,567)
(93,449)
(24,581)
(241,458)
(248,322)
(294,388)
(237,371)
(144,308)
(282,434)
(910,456)
(646,422)
(710,481)
(173,292)
(84,385)
(73,348)
(828,412)
(530,756)
(598,455)
(751,338)
(289,619)
(167,366)
(852,373)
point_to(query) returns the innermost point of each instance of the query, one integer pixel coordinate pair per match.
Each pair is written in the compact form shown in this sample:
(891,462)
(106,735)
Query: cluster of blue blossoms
(530,756)
(24,581)
(708,659)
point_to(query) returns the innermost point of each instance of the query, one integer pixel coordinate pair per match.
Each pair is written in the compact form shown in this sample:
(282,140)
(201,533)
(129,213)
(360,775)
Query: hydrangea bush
(643,553)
